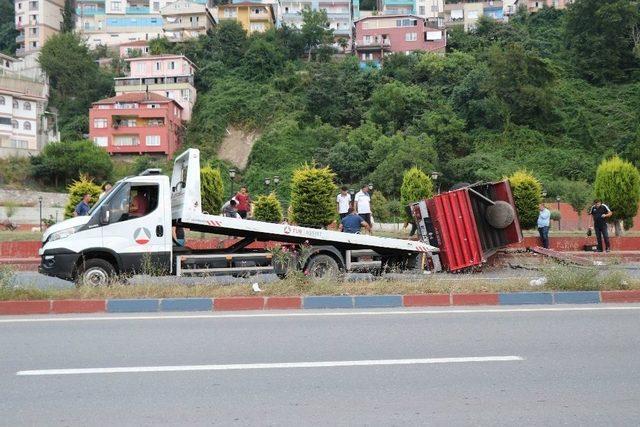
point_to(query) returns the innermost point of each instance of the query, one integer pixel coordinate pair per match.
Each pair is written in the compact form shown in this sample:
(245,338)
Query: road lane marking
(288,365)
(320,313)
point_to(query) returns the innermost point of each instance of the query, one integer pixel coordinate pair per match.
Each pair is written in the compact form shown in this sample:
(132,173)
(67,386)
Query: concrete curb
(152,305)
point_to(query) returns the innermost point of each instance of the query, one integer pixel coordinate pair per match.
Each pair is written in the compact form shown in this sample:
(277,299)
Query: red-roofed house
(136,123)
(378,35)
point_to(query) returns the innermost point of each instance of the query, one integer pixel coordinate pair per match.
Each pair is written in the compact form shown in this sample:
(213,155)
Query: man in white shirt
(343,202)
(362,204)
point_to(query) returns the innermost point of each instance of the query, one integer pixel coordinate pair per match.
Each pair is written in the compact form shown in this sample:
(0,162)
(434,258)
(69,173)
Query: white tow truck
(130,230)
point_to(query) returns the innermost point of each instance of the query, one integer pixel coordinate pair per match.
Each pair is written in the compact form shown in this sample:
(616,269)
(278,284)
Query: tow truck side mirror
(105,215)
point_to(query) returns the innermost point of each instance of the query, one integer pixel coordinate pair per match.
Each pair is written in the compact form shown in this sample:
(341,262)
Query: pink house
(377,36)
(128,49)
(171,76)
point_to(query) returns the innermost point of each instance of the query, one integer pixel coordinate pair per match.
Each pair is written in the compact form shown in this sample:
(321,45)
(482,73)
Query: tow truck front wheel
(95,272)
(323,267)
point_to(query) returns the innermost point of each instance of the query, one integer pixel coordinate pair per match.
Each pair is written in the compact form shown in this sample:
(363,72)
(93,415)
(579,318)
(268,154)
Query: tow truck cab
(126,228)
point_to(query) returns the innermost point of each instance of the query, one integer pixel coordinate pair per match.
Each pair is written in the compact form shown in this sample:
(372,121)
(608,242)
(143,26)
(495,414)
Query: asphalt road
(547,366)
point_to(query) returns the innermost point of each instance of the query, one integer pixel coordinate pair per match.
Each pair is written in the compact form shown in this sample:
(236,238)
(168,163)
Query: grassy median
(557,278)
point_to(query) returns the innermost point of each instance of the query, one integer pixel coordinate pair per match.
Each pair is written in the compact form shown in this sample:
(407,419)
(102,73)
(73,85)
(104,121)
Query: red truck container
(469,224)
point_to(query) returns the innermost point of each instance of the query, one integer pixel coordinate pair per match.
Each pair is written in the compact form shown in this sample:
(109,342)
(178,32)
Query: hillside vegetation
(553,93)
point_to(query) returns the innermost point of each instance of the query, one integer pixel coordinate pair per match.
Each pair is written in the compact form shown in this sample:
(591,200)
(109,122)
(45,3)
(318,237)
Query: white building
(36,21)
(25,125)
(185,19)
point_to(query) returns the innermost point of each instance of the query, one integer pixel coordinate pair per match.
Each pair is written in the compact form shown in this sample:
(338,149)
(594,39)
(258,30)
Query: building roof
(246,3)
(10,58)
(140,97)
(163,56)
(136,43)
(402,15)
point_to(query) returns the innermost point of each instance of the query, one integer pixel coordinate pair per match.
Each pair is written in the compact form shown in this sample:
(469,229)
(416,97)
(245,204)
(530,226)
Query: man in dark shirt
(600,212)
(352,222)
(83,207)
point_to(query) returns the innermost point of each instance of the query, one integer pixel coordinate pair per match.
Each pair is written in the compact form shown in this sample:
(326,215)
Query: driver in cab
(139,203)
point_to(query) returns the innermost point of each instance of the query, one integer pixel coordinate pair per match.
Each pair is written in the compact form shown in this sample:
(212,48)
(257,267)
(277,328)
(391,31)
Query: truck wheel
(323,267)
(95,272)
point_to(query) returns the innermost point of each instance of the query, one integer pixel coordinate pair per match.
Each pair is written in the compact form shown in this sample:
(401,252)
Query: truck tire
(95,272)
(323,267)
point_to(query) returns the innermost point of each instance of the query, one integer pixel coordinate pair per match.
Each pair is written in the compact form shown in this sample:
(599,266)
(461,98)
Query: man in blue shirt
(83,207)
(543,225)
(352,222)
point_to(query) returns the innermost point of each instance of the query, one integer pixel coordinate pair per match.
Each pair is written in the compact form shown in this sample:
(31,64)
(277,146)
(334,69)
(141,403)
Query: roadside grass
(19,236)
(558,279)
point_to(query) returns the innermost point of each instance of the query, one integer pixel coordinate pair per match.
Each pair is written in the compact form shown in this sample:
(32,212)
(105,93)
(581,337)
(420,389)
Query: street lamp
(232,175)
(40,203)
(559,217)
(276,180)
(434,177)
(370,186)
(267,182)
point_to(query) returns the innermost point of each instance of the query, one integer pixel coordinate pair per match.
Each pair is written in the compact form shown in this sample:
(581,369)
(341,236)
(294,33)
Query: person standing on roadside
(544,218)
(362,205)
(244,202)
(83,207)
(343,202)
(106,187)
(600,212)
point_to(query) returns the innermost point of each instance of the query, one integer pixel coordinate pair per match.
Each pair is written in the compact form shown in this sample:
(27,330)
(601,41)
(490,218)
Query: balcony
(89,11)
(90,1)
(260,16)
(20,51)
(179,26)
(378,44)
(20,38)
(137,10)
(388,3)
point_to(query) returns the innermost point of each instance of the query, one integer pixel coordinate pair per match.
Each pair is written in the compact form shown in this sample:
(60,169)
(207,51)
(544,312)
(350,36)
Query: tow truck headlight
(62,233)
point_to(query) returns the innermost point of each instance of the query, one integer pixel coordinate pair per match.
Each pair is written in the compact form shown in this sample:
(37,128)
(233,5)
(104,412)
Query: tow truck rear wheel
(95,272)
(323,267)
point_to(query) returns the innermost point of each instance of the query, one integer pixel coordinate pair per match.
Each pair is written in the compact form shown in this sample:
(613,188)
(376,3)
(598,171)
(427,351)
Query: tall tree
(315,30)
(599,36)
(618,185)
(68,16)
(8,31)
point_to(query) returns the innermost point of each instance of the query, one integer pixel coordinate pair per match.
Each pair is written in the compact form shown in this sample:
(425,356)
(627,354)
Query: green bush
(14,171)
(416,185)
(313,194)
(212,189)
(555,216)
(618,185)
(267,209)
(380,207)
(395,210)
(527,195)
(79,188)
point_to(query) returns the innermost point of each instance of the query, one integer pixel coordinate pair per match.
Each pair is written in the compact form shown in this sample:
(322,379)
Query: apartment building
(340,13)
(536,5)
(136,123)
(185,19)
(377,36)
(114,22)
(254,17)
(25,125)
(171,76)
(468,13)
(36,21)
(429,9)
(137,48)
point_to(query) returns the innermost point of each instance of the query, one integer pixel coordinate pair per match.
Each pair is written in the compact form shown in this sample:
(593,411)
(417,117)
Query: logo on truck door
(142,236)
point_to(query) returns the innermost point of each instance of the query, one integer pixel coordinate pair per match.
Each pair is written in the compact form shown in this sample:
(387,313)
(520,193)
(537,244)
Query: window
(155,122)
(158,66)
(367,40)
(257,26)
(19,143)
(153,106)
(230,13)
(153,140)
(126,140)
(172,65)
(186,95)
(26,125)
(2,100)
(115,6)
(422,10)
(101,141)
(156,5)
(27,106)
(100,123)
(131,202)
(14,124)
(6,121)
(410,37)
(34,44)
(140,67)
(15,104)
